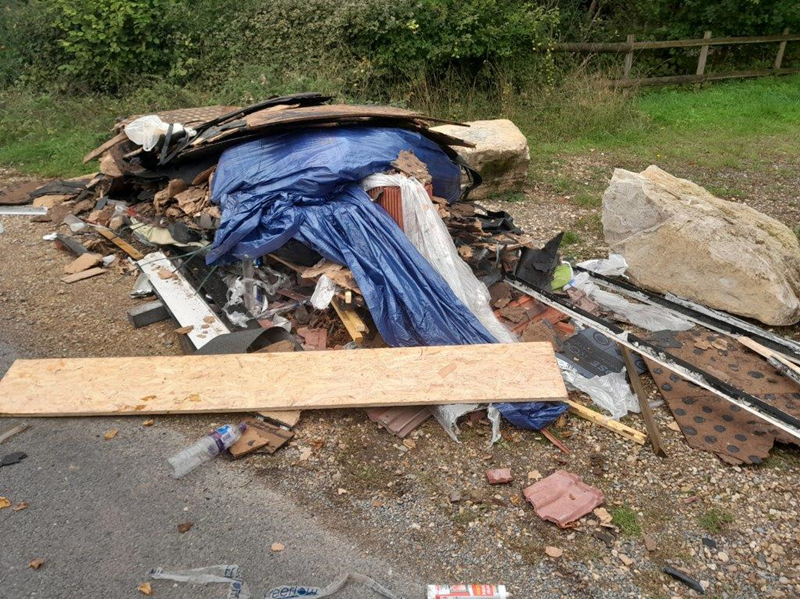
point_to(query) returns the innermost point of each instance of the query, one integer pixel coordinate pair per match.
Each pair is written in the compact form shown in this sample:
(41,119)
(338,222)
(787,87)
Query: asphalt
(103,513)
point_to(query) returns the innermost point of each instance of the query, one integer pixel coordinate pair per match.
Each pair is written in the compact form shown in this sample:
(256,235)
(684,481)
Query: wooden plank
(86,274)
(494,372)
(182,300)
(641,395)
(781,51)
(701,62)
(624,47)
(120,243)
(351,321)
(629,58)
(631,434)
(681,79)
(118,138)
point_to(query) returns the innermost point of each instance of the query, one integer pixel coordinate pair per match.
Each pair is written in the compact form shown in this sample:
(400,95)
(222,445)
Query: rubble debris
(145,589)
(83,262)
(185,305)
(205,449)
(563,498)
(18,193)
(649,543)
(536,267)
(22,211)
(685,579)
(110,434)
(499,476)
(12,458)
(400,421)
(35,564)
(500,155)
(259,435)
(4,503)
(85,274)
(662,225)
(70,244)
(120,243)
(147,314)
(452,374)
(14,430)
(185,527)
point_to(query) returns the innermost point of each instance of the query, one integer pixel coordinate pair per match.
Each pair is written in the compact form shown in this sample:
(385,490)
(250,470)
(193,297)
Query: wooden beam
(681,79)
(495,372)
(781,51)
(631,434)
(701,62)
(624,47)
(641,395)
(351,321)
(118,138)
(776,360)
(120,243)
(629,58)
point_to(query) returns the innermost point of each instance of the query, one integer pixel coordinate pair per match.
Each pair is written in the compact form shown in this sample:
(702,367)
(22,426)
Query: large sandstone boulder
(678,238)
(500,155)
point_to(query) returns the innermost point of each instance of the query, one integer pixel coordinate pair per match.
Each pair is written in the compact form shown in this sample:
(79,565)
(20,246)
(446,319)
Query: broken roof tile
(563,498)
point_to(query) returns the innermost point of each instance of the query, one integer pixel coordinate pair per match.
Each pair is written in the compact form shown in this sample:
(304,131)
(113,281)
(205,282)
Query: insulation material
(611,391)
(640,315)
(428,233)
(613,266)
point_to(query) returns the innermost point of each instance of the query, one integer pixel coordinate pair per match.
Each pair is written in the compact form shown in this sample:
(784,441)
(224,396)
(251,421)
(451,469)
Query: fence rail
(630,46)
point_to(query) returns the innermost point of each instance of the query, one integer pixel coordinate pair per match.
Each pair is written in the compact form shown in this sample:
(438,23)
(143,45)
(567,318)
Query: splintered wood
(267,381)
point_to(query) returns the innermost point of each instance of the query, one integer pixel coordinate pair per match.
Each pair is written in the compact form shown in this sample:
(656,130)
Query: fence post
(629,58)
(781,50)
(701,63)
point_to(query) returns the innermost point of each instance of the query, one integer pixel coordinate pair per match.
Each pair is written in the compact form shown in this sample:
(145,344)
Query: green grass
(570,238)
(714,520)
(724,125)
(625,518)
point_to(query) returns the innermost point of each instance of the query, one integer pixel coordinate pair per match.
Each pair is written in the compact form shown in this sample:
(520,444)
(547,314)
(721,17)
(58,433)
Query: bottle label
(224,437)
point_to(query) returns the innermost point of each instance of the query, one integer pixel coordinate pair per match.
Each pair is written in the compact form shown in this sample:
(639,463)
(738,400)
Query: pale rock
(677,237)
(500,155)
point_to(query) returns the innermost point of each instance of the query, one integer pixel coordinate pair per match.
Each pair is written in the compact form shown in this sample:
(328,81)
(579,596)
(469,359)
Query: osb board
(267,381)
(707,421)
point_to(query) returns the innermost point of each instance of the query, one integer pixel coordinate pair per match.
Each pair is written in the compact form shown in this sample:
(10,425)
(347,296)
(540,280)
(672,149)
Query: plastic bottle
(205,449)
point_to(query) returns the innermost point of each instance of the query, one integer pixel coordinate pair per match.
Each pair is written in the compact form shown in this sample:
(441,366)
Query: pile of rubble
(297,225)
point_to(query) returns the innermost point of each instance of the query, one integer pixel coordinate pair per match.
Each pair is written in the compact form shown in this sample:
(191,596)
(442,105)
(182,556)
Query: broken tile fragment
(563,498)
(499,476)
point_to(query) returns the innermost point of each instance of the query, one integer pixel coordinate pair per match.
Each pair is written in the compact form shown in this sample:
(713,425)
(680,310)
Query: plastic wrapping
(301,185)
(237,589)
(494,416)
(613,266)
(640,315)
(610,392)
(428,233)
(532,415)
(323,293)
(447,416)
(147,130)
(298,592)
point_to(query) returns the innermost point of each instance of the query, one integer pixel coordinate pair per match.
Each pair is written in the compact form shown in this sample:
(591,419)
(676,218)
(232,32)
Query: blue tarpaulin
(304,185)
(532,415)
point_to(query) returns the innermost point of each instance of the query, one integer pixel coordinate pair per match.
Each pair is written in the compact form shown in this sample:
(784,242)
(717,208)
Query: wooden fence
(630,46)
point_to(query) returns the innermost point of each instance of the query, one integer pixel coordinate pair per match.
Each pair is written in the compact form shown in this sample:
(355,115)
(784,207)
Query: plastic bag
(147,130)
(323,293)
(614,266)
(428,233)
(640,315)
(447,416)
(611,392)
(237,589)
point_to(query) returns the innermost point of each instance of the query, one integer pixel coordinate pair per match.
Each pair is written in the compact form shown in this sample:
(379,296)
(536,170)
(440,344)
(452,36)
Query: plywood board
(268,381)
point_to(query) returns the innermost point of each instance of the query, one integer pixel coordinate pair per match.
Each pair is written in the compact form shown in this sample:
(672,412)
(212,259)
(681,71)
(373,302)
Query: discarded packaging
(205,449)
(611,391)
(229,575)
(480,591)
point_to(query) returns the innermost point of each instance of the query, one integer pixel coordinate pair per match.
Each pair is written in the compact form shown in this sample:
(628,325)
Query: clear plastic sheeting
(147,130)
(613,266)
(303,592)
(640,315)
(428,233)
(447,417)
(323,293)
(610,392)
(494,416)
(237,589)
